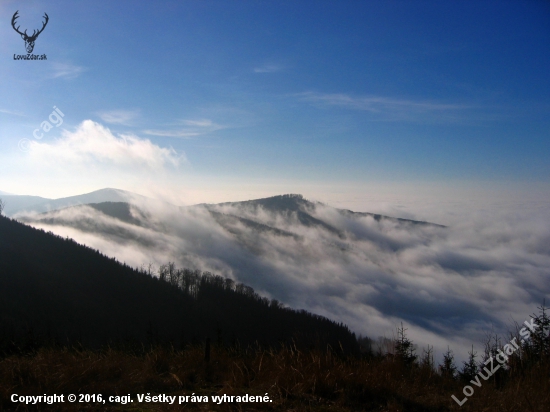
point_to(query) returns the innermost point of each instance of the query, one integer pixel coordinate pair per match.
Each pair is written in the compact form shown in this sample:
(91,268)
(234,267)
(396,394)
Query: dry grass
(294,380)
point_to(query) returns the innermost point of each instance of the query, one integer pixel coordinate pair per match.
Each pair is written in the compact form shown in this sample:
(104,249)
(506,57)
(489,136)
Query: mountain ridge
(16,204)
(27,203)
(294,202)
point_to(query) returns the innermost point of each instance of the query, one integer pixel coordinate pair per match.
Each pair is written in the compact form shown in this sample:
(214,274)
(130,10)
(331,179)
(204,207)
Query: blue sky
(227,100)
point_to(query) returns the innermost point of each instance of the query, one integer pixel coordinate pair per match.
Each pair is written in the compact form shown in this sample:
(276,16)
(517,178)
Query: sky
(428,110)
(358,103)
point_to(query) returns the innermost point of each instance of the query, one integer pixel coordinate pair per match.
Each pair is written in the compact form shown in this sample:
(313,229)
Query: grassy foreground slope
(309,380)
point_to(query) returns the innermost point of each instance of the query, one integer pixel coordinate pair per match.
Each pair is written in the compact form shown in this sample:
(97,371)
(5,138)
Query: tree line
(525,348)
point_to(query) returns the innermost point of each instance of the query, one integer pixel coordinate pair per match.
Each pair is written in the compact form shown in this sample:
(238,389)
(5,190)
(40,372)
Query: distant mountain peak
(22,204)
(110,189)
(291,196)
(279,203)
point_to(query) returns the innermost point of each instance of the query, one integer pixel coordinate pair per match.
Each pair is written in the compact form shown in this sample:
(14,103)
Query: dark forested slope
(53,288)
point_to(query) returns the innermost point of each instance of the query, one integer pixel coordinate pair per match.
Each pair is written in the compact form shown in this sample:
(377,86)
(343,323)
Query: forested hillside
(53,290)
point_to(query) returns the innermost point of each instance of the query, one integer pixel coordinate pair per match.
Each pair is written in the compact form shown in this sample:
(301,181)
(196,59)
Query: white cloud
(123,117)
(193,128)
(92,143)
(11,112)
(268,68)
(172,133)
(67,71)
(200,123)
(387,108)
(91,157)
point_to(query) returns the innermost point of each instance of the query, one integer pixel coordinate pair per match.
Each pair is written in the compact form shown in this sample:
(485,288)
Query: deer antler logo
(29,40)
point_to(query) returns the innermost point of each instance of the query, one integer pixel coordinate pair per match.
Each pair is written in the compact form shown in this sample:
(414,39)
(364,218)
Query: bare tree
(2,206)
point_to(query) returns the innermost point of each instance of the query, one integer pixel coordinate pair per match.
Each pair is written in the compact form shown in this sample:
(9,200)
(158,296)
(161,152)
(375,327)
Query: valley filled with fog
(449,284)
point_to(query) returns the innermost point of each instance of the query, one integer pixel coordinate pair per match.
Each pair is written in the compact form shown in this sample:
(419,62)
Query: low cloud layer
(448,285)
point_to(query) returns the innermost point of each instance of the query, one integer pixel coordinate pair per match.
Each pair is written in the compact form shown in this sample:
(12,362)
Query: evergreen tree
(404,347)
(448,367)
(469,368)
(540,338)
